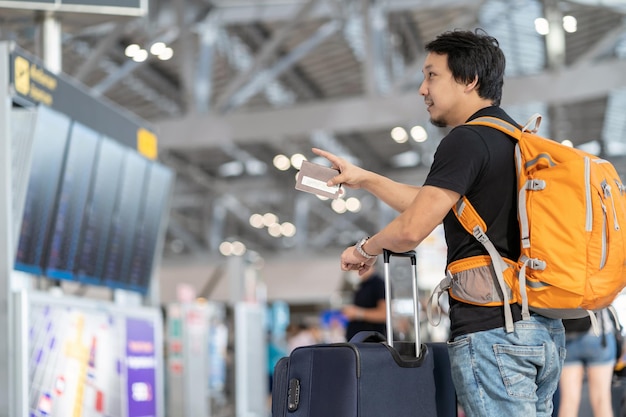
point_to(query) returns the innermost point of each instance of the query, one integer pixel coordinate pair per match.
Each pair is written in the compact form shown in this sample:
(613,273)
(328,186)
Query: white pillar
(51,42)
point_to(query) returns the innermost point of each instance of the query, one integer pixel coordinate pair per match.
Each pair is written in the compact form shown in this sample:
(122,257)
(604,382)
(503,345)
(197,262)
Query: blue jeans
(516,374)
(586,349)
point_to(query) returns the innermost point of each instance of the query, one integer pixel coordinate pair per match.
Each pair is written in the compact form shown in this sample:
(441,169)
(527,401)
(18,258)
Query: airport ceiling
(251,79)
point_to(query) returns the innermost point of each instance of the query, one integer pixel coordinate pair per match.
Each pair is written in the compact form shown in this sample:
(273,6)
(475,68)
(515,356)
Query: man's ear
(472,85)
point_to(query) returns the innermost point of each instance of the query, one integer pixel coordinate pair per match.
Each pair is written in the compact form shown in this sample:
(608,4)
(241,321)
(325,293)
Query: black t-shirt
(478,162)
(367,295)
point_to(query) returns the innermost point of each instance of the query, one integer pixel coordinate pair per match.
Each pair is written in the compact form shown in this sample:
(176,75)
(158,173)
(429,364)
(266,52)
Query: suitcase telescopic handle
(409,254)
(387,255)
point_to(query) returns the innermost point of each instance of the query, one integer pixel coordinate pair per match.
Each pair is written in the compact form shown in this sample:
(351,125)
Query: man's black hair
(473,54)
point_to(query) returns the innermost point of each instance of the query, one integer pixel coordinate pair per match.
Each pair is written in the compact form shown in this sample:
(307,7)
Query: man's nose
(423,90)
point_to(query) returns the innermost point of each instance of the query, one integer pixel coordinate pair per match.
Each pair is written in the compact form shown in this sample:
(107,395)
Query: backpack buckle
(535,185)
(537,264)
(479,234)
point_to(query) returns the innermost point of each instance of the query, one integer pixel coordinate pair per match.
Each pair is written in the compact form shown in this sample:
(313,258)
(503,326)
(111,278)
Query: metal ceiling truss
(270,96)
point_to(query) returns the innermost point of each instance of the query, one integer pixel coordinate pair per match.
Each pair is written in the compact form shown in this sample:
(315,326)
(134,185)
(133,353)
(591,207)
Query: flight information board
(93,209)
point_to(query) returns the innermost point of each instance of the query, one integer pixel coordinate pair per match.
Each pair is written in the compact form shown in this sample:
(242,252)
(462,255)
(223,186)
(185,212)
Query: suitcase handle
(387,254)
(367,336)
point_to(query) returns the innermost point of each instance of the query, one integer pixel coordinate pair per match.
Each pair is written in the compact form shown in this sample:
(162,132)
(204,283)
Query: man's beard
(438,122)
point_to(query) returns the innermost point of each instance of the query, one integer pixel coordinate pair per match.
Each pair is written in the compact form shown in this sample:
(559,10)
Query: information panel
(93,359)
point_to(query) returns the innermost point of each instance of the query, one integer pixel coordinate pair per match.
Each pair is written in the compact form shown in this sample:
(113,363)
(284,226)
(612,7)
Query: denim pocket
(459,341)
(518,367)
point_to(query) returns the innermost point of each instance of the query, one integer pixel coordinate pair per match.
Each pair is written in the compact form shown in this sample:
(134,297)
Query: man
(496,373)
(368,310)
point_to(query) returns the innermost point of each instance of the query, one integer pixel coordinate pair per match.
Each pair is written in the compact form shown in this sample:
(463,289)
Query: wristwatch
(359,248)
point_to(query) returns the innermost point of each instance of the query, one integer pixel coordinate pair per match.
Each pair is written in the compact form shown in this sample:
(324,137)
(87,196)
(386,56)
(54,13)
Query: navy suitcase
(367,377)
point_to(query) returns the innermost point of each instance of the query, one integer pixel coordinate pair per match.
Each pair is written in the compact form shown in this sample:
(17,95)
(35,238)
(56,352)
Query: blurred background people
(302,334)
(593,354)
(367,311)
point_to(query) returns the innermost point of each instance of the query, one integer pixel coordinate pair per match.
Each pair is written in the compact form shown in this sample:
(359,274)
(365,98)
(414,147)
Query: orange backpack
(572,218)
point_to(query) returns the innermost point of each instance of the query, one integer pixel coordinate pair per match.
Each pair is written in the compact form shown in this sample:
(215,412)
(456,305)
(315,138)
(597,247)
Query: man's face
(442,94)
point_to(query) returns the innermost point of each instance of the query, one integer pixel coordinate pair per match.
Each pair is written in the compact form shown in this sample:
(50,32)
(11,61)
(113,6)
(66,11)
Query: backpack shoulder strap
(468,216)
(498,124)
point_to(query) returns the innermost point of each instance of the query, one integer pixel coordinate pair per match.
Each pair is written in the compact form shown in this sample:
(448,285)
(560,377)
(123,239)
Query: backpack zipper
(589,210)
(604,221)
(620,187)
(607,194)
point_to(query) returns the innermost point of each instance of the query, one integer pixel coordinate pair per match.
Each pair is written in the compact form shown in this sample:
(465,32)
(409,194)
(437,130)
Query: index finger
(334,159)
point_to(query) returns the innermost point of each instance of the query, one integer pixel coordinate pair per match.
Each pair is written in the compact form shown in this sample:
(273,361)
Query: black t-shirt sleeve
(459,160)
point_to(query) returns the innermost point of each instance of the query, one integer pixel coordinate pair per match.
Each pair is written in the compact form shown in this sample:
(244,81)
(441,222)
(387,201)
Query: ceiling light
(238,248)
(296,160)
(339,205)
(226,248)
(157,48)
(419,134)
(274,230)
(570,24)
(542,26)
(256,220)
(140,56)
(167,53)
(131,50)
(281,162)
(269,219)
(287,229)
(353,204)
(399,134)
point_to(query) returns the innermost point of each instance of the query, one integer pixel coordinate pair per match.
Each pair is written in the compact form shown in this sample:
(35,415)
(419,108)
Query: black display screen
(154,203)
(72,200)
(99,212)
(123,224)
(49,148)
